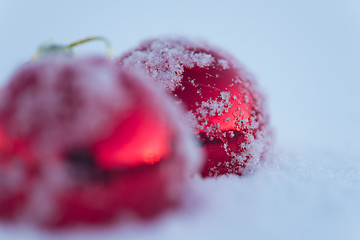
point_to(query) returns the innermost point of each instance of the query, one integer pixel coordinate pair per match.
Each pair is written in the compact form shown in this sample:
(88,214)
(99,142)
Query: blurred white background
(306,56)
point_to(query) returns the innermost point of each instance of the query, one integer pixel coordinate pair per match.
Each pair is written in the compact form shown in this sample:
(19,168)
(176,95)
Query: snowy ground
(305,54)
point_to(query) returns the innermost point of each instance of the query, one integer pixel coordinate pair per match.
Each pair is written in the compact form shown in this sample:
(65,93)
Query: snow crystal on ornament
(82,142)
(219,94)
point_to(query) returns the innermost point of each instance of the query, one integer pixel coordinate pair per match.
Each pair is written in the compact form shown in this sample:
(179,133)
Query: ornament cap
(67,50)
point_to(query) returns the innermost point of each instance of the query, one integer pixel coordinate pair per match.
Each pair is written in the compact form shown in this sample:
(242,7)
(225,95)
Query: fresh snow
(295,196)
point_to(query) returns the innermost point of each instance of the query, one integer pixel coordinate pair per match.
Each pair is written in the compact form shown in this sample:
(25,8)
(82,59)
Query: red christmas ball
(224,104)
(82,142)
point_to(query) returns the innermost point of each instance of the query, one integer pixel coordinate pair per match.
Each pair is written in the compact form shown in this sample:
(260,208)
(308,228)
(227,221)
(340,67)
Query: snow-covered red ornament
(84,143)
(224,104)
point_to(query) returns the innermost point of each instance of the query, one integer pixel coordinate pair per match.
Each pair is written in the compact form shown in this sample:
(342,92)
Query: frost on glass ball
(84,143)
(225,106)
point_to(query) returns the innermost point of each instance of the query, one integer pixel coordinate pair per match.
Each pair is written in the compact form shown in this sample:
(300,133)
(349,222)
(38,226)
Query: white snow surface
(305,55)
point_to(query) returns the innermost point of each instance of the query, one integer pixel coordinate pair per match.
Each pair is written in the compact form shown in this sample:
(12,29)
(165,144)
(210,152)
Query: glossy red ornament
(224,104)
(84,143)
